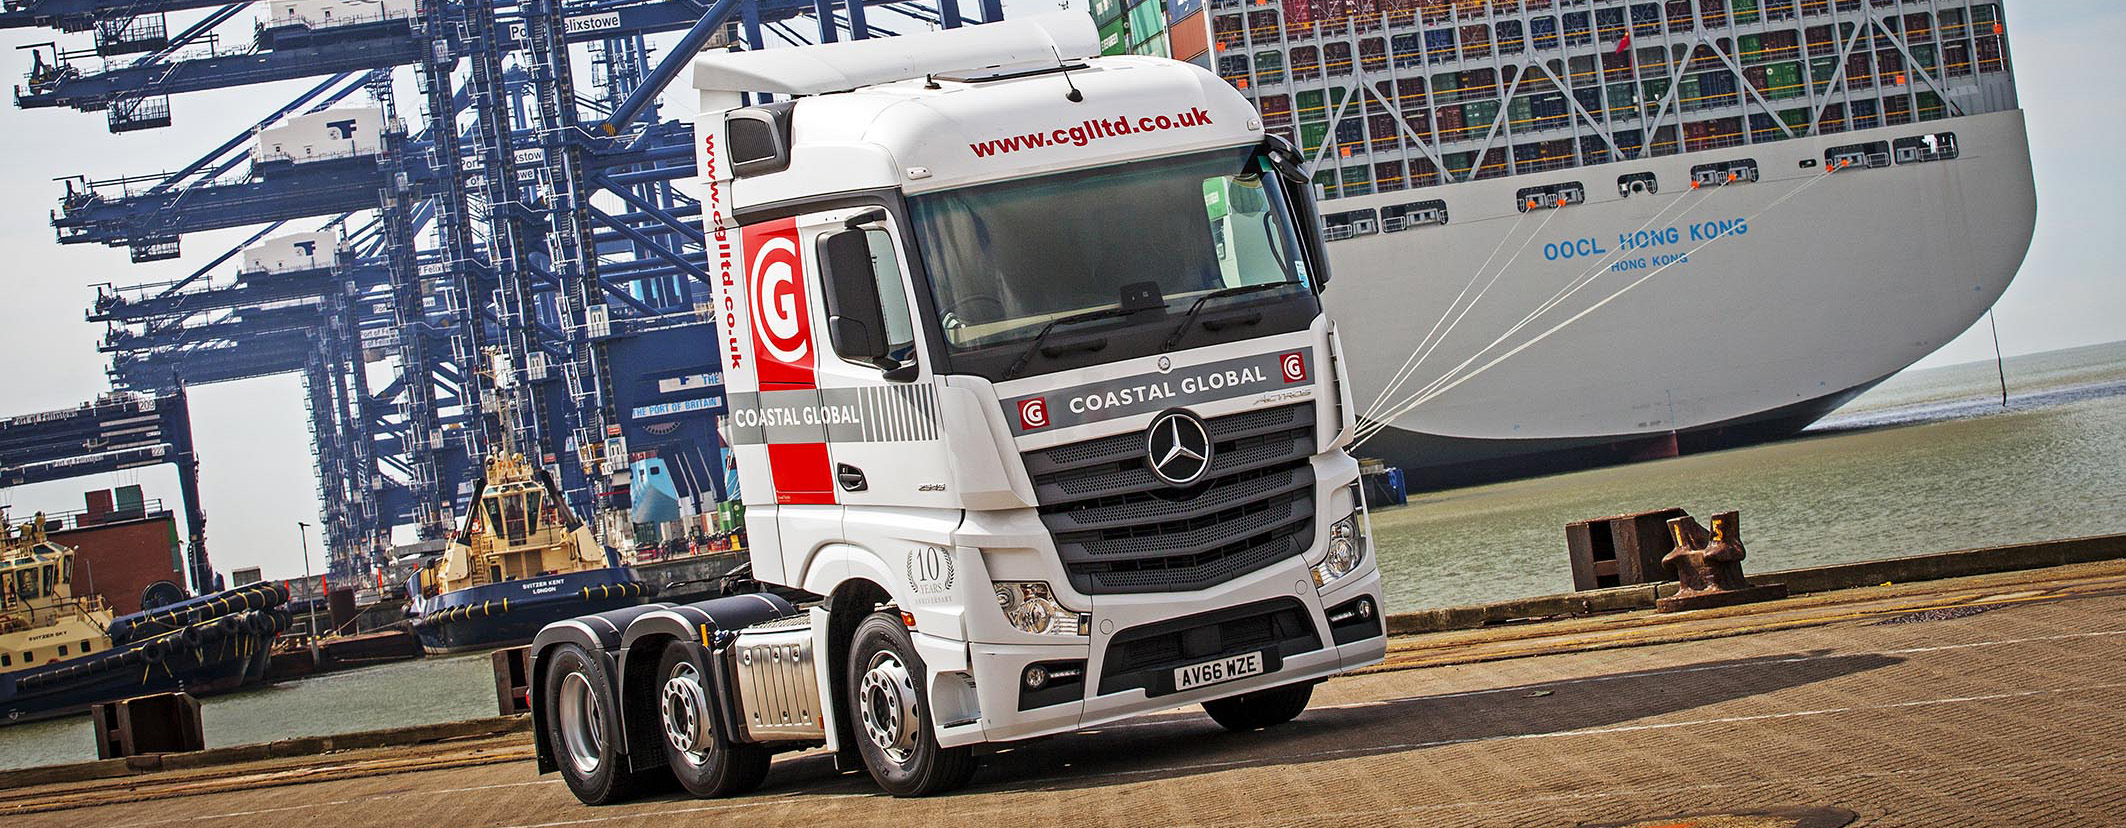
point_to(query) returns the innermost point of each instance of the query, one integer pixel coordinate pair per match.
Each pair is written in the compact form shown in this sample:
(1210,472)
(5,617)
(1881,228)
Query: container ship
(1567,233)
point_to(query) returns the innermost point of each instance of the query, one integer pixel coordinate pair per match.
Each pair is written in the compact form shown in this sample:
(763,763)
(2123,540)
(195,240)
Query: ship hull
(508,614)
(222,662)
(1838,281)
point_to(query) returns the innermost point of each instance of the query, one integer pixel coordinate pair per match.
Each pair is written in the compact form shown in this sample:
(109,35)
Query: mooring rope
(1434,394)
(1374,423)
(1416,357)
(1397,383)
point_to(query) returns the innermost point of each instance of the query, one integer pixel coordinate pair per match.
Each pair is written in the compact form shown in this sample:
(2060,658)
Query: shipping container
(1147,19)
(1276,109)
(1409,48)
(1521,113)
(1388,177)
(1439,45)
(1449,122)
(1479,115)
(1358,180)
(1373,54)
(1189,37)
(1382,131)
(1106,10)
(1783,80)
(1311,135)
(1336,58)
(1269,66)
(1155,46)
(1114,35)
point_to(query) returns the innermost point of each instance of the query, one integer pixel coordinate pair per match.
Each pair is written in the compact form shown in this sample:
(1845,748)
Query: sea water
(1929,461)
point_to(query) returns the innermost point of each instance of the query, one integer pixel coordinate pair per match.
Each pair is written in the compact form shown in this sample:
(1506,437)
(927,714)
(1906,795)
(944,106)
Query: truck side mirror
(856,323)
(1308,218)
(1298,187)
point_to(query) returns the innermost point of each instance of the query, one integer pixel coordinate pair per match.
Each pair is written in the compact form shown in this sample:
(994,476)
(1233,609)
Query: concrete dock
(1982,700)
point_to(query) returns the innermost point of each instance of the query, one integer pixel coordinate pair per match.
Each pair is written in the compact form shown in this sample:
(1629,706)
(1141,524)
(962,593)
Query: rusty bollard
(1709,566)
(512,680)
(158,723)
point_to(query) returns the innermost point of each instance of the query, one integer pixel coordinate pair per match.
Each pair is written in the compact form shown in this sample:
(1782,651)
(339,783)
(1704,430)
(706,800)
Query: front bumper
(998,669)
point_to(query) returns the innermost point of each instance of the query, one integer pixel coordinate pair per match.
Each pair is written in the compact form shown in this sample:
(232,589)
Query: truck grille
(1120,529)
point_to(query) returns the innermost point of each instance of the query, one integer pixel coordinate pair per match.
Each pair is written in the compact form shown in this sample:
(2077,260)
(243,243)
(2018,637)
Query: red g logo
(778,296)
(1294,365)
(1033,414)
(775,303)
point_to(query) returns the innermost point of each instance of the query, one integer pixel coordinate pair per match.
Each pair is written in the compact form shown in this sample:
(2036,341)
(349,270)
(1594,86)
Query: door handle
(850,477)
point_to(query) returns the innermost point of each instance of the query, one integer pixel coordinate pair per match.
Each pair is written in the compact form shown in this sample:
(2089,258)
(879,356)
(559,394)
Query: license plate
(1213,672)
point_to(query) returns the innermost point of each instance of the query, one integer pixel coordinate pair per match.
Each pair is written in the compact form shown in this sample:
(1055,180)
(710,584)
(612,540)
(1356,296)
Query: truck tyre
(892,719)
(1262,708)
(706,763)
(576,695)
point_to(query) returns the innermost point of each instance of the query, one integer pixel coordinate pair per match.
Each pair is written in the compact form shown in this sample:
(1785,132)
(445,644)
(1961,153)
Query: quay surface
(1981,700)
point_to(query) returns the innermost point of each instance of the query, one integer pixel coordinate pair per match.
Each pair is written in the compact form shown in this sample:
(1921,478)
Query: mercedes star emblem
(1179,448)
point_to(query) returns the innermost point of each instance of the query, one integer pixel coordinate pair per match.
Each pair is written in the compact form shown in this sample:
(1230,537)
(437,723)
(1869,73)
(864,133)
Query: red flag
(1624,44)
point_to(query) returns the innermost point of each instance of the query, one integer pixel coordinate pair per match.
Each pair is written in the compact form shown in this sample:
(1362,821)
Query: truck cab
(1030,386)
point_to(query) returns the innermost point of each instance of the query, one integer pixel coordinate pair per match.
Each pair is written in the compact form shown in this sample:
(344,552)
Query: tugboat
(521,561)
(60,653)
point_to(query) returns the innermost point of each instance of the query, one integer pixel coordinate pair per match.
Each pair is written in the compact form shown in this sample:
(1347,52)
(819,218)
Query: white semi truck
(1034,407)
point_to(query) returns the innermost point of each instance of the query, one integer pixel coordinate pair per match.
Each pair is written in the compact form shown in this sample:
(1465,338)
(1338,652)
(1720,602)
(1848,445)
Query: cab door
(879,412)
(879,403)
(786,477)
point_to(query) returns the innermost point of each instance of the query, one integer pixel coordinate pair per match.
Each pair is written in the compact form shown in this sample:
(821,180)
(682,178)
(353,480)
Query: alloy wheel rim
(685,709)
(886,702)
(582,728)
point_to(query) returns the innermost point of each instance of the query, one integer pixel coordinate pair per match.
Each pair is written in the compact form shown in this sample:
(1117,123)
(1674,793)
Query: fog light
(1036,677)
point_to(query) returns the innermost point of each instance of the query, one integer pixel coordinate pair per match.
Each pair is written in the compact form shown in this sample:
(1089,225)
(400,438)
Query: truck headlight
(1347,549)
(1031,607)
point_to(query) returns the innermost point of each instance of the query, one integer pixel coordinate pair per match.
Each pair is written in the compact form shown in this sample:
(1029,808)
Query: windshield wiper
(1190,318)
(1073,319)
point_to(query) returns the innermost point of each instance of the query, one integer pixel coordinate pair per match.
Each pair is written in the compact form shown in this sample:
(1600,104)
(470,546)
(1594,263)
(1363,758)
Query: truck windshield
(1006,259)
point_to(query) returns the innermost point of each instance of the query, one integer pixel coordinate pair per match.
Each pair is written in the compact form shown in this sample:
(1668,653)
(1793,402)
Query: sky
(253,439)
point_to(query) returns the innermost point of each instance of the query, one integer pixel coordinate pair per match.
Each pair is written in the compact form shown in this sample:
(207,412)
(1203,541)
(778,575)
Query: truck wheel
(706,765)
(893,719)
(1262,708)
(576,695)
